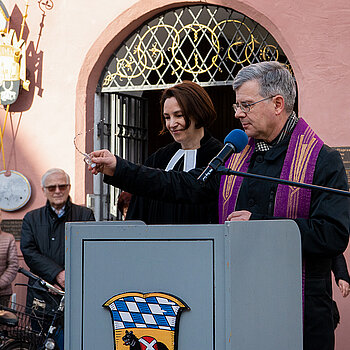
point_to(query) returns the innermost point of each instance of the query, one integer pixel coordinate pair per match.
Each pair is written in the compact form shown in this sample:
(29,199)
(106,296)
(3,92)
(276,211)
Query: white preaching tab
(189,155)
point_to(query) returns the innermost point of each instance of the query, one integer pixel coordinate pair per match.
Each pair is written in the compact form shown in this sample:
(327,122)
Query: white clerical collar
(189,155)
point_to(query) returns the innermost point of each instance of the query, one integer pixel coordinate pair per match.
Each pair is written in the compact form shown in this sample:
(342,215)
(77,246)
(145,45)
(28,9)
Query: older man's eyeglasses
(52,188)
(246,107)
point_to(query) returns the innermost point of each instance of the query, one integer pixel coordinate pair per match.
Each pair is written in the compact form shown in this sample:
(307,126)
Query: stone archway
(111,38)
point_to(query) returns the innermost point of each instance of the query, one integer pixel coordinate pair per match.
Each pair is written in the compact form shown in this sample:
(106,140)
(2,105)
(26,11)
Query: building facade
(96,69)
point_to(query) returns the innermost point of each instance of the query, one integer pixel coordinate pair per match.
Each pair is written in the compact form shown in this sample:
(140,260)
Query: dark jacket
(323,235)
(153,211)
(340,269)
(43,241)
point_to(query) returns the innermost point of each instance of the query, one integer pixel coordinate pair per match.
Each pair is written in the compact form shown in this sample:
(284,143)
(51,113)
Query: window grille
(205,44)
(127,137)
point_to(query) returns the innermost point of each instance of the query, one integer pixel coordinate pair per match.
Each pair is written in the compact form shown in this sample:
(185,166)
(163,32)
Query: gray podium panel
(263,292)
(241,281)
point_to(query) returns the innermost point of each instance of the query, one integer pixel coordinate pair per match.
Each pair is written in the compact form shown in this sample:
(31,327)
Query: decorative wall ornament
(206,44)
(12,67)
(14,187)
(15,190)
(45,5)
(12,64)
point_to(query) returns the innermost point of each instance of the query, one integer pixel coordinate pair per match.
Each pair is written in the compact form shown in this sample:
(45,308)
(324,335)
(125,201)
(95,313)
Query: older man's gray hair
(54,171)
(274,79)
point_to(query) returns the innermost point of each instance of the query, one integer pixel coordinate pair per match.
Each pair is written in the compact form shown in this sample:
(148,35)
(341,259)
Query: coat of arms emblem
(145,321)
(12,61)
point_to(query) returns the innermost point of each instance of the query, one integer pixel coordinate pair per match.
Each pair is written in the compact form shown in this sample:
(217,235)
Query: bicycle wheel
(17,345)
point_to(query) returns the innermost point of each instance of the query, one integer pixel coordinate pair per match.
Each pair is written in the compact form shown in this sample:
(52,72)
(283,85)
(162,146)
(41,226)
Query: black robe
(153,211)
(340,269)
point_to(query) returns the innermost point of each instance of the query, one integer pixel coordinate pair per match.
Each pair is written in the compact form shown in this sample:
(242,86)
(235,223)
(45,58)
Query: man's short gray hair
(54,171)
(274,79)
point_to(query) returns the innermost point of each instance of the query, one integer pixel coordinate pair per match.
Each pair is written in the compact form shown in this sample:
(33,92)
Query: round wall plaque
(15,190)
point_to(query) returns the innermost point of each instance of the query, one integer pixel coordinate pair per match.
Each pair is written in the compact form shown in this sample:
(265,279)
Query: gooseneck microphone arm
(216,162)
(224,171)
(235,142)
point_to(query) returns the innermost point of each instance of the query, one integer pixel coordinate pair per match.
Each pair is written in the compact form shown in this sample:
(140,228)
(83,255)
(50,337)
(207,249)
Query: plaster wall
(69,45)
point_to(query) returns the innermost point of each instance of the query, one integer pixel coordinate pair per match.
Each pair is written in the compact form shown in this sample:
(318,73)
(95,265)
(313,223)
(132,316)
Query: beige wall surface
(68,46)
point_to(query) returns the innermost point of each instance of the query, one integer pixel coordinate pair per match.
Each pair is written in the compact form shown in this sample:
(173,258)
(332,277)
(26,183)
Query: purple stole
(230,185)
(299,165)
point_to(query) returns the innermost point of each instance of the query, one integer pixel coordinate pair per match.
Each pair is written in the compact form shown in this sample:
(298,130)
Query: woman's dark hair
(194,102)
(123,201)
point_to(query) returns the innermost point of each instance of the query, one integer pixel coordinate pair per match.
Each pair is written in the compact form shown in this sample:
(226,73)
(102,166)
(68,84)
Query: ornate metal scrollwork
(45,5)
(131,132)
(214,47)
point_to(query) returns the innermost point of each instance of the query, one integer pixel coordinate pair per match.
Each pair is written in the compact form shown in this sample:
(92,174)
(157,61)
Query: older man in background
(43,234)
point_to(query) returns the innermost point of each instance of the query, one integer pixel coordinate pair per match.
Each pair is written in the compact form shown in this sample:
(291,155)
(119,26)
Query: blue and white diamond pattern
(150,312)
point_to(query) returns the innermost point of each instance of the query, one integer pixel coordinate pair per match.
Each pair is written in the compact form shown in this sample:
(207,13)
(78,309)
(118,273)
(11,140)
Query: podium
(236,286)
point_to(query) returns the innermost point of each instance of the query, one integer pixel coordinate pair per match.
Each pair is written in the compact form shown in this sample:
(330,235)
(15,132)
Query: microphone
(235,142)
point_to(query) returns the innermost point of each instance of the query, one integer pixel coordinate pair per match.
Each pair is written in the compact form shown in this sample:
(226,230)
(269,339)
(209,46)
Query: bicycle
(27,327)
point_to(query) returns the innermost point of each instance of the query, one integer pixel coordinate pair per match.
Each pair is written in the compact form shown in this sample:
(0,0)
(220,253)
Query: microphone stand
(224,171)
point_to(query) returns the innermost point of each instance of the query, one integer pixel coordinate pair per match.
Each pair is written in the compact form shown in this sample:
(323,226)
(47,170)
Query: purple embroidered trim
(299,165)
(230,185)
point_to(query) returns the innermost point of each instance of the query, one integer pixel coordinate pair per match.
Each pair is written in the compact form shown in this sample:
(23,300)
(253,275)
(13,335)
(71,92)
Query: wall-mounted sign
(345,154)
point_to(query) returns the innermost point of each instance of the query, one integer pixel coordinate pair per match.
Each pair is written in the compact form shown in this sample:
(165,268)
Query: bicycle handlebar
(42,282)
(27,273)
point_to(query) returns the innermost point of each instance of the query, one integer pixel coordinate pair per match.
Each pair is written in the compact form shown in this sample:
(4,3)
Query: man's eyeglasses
(246,107)
(52,188)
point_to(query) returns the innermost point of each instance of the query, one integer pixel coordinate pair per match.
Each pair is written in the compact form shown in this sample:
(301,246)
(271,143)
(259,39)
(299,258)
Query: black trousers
(318,323)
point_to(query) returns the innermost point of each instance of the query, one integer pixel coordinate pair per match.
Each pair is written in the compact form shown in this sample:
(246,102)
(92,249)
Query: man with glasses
(280,145)
(43,234)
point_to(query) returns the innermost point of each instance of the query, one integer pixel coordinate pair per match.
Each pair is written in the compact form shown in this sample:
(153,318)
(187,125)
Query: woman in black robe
(186,112)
